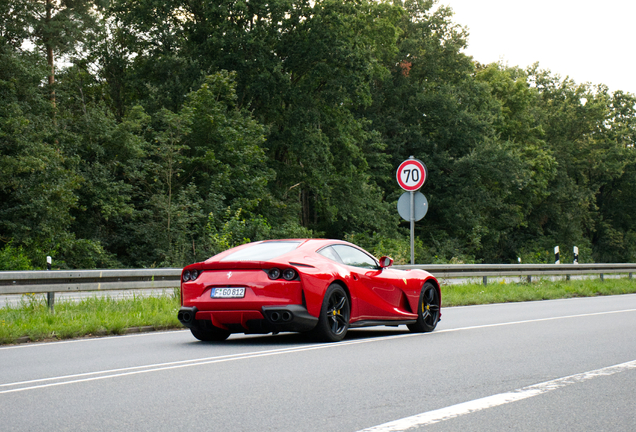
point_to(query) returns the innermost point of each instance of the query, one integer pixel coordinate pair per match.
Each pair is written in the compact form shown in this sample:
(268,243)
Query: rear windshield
(263,251)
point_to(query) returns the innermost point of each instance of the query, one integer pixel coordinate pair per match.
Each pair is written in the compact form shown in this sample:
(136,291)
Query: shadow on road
(294,339)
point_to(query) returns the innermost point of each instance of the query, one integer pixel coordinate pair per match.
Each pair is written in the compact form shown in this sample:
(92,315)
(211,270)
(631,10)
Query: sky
(589,41)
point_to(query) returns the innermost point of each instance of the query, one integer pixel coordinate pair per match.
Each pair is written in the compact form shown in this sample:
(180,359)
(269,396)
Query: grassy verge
(102,316)
(473,294)
(91,316)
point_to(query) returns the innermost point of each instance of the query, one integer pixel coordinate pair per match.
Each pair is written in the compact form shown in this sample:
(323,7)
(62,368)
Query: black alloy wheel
(205,331)
(427,311)
(335,313)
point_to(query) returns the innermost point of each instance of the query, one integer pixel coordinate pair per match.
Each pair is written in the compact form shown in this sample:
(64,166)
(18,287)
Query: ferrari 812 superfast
(314,286)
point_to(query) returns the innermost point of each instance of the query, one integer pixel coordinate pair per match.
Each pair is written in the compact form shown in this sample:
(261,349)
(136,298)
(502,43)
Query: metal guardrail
(22,282)
(521,270)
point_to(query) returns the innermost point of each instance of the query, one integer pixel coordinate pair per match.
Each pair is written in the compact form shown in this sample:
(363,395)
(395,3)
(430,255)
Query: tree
(199,161)
(615,234)
(54,26)
(578,121)
(38,179)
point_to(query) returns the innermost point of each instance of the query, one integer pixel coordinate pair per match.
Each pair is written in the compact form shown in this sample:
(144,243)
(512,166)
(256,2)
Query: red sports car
(323,287)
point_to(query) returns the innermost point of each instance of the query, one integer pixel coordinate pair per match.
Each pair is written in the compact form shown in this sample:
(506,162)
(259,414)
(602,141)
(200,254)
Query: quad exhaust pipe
(275,318)
(187,316)
(280,316)
(289,318)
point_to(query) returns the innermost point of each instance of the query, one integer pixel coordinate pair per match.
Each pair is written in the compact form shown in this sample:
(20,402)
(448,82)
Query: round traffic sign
(420,206)
(411,174)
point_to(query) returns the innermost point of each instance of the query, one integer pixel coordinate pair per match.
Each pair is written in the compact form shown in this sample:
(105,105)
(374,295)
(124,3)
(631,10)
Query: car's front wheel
(205,331)
(335,313)
(428,310)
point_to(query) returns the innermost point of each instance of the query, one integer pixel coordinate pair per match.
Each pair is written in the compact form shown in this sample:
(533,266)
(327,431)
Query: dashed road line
(436,416)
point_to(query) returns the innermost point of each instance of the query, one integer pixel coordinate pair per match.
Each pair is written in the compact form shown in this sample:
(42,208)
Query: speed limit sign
(411,174)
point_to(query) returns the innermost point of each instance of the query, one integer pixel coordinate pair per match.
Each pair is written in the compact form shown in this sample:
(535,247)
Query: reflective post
(575,260)
(50,296)
(576,255)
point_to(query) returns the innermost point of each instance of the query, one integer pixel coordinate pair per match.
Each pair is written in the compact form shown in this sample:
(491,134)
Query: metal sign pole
(411,175)
(412,227)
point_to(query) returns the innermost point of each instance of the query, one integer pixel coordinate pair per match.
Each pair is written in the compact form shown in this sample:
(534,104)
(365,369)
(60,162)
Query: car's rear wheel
(205,331)
(427,311)
(335,313)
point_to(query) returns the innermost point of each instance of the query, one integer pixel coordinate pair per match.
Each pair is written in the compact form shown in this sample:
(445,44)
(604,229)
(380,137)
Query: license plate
(227,293)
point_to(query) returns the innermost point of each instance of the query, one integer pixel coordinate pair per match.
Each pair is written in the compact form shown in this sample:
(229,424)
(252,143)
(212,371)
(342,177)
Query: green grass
(473,294)
(102,316)
(91,316)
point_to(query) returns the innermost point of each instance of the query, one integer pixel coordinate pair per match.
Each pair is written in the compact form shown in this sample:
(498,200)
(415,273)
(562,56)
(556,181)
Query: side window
(330,253)
(354,257)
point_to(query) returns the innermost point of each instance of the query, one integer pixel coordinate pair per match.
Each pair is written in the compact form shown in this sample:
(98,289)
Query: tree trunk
(49,54)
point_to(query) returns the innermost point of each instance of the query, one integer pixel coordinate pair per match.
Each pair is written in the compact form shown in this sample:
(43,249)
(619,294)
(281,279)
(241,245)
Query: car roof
(308,245)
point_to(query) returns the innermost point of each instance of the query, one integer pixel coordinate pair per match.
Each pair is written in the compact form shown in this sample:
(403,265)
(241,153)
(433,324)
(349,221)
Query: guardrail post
(50,296)
(602,277)
(485,280)
(50,301)
(529,278)
(630,275)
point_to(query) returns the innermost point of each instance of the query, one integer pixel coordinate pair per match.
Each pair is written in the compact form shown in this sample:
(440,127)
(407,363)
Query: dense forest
(144,133)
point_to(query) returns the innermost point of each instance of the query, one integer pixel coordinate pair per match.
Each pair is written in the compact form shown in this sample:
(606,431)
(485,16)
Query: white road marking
(114,373)
(535,320)
(436,416)
(217,358)
(135,370)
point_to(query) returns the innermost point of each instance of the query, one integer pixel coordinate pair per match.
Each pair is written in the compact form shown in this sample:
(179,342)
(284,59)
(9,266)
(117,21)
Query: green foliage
(38,177)
(232,229)
(287,118)
(12,258)
(397,247)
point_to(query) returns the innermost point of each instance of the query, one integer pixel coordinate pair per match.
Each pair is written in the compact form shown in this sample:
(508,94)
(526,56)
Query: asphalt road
(566,365)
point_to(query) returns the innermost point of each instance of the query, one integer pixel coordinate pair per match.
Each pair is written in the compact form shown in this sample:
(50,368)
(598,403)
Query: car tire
(206,332)
(335,313)
(427,310)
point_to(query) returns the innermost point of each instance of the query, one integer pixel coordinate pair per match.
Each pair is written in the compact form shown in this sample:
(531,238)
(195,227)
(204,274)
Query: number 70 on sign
(411,174)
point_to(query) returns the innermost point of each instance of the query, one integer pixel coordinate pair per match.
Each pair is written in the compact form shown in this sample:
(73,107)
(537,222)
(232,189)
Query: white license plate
(227,293)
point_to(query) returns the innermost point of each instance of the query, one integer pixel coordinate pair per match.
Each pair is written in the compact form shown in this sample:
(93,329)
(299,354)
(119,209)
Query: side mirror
(385,262)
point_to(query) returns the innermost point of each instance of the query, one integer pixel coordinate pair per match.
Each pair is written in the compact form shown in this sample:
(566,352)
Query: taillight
(273,273)
(287,274)
(190,275)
